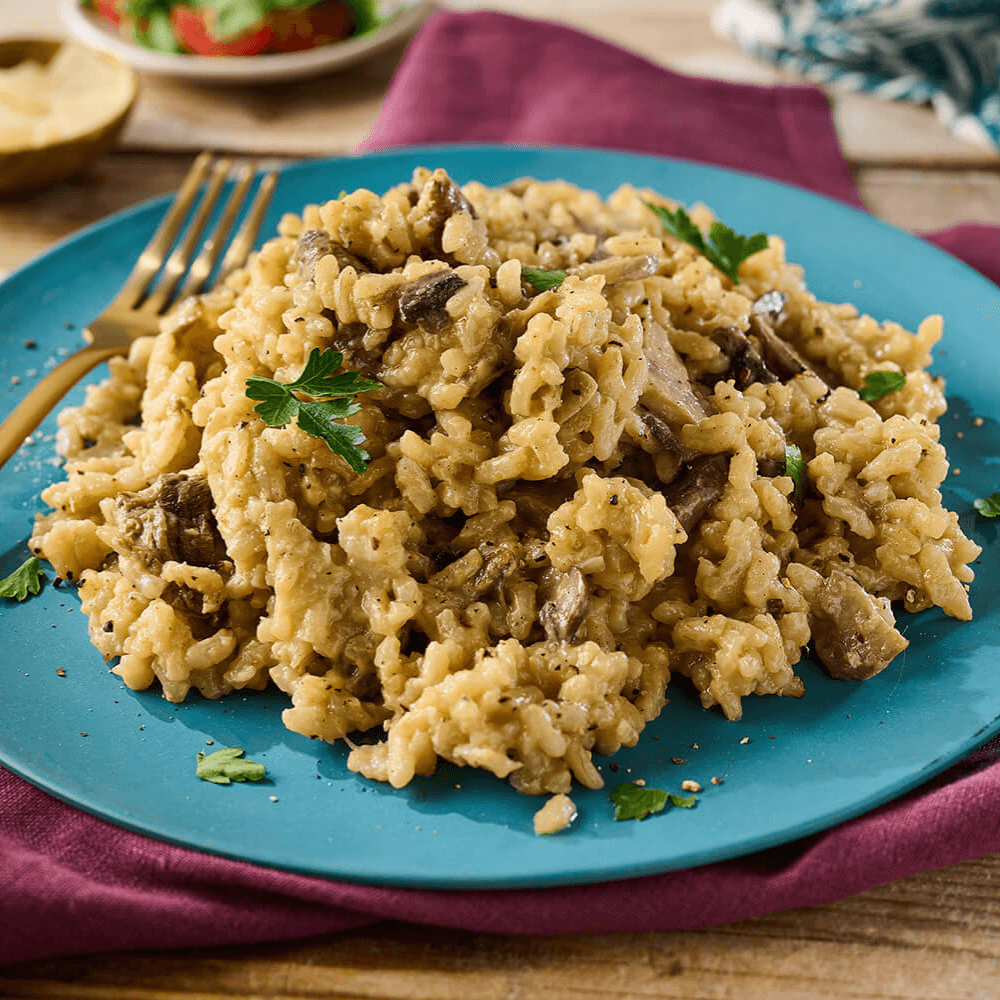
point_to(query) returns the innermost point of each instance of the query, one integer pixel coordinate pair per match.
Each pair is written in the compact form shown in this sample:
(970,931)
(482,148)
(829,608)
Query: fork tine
(162,292)
(202,266)
(243,242)
(151,258)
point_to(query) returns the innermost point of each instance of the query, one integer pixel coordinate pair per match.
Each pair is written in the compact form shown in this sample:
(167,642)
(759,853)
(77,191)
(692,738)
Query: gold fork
(136,310)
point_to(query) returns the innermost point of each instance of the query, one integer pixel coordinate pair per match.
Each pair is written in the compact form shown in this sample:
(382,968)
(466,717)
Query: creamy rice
(572,494)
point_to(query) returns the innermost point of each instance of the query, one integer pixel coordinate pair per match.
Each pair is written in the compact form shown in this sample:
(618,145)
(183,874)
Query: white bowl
(266,68)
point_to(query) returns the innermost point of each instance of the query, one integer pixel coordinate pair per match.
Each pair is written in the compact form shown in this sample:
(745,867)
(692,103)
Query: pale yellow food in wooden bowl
(61,106)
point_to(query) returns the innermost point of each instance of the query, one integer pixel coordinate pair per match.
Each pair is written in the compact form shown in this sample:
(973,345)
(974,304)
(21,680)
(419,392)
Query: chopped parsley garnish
(26,579)
(879,384)
(541,279)
(725,248)
(278,405)
(988,506)
(224,766)
(795,467)
(637,802)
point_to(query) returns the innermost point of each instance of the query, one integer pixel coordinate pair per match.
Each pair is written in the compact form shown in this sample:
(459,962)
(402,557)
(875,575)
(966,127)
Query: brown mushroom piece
(536,500)
(668,392)
(442,199)
(779,356)
(746,363)
(499,563)
(854,632)
(423,302)
(659,440)
(361,347)
(562,615)
(697,488)
(172,521)
(616,269)
(314,244)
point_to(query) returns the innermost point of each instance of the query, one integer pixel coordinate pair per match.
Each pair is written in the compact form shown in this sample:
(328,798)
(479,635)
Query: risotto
(572,494)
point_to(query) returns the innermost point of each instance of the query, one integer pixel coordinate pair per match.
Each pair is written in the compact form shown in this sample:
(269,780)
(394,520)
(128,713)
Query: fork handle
(42,399)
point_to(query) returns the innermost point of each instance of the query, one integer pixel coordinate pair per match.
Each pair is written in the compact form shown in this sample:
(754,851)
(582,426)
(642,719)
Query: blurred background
(909,168)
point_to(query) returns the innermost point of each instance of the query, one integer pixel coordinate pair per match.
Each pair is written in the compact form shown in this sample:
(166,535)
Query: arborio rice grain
(571,495)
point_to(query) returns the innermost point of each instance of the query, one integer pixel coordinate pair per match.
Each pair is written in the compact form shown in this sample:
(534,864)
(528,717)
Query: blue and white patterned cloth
(946,52)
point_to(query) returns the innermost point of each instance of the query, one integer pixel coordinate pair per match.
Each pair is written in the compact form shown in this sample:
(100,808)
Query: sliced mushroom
(422,302)
(771,467)
(440,200)
(854,632)
(746,363)
(668,391)
(361,346)
(314,244)
(618,269)
(779,356)
(535,501)
(564,613)
(658,440)
(697,488)
(499,563)
(172,521)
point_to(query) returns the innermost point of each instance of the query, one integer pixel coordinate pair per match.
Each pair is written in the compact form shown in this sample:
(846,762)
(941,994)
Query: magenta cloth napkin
(70,883)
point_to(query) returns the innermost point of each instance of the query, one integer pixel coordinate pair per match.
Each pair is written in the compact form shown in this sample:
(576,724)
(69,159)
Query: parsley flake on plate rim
(633,801)
(226,766)
(25,580)
(988,506)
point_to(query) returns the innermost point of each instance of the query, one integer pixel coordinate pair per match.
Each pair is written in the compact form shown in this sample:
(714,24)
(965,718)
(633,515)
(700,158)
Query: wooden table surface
(933,935)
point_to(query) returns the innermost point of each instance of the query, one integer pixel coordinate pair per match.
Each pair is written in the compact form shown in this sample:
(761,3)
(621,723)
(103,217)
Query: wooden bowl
(69,149)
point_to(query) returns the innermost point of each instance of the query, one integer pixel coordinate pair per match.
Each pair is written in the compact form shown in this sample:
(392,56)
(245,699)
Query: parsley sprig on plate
(225,766)
(638,802)
(26,579)
(724,248)
(330,402)
(988,506)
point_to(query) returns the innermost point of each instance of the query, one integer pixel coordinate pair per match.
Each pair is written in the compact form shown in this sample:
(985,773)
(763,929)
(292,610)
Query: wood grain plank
(930,199)
(933,936)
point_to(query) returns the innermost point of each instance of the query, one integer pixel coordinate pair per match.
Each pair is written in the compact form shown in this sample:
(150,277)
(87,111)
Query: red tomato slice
(111,11)
(295,30)
(193,29)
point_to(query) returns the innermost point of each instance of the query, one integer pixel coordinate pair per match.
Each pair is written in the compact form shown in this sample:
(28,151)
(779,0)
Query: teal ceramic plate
(790,767)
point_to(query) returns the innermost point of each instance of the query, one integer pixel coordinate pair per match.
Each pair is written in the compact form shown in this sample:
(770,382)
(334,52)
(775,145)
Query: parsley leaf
(637,802)
(726,249)
(277,405)
(541,279)
(27,578)
(879,384)
(223,767)
(683,801)
(795,467)
(988,506)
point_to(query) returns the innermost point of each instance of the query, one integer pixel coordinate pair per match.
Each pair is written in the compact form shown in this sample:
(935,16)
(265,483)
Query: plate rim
(748,844)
